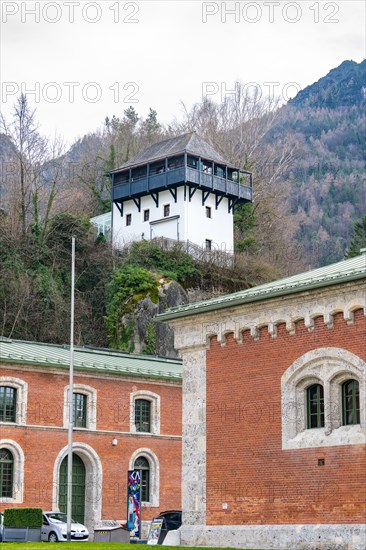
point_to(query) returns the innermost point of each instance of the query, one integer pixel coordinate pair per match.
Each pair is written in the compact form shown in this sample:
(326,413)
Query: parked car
(1,526)
(172,521)
(54,528)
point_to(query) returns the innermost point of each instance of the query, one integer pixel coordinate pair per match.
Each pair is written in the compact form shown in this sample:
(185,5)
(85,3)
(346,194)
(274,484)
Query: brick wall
(44,437)
(246,467)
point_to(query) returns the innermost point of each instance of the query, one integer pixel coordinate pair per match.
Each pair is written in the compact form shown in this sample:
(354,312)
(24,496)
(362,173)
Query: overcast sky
(80,61)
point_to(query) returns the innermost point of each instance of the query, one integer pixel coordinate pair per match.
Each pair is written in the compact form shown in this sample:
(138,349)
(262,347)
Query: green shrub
(23,517)
(129,285)
(173,264)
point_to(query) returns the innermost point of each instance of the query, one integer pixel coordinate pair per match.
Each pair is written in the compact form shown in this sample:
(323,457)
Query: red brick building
(127,412)
(274,391)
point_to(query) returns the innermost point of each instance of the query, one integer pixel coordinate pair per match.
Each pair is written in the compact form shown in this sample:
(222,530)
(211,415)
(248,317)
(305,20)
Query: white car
(54,528)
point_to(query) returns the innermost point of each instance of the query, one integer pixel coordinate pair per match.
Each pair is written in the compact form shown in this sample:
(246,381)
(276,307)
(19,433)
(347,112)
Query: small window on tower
(208,212)
(128,219)
(208,244)
(146,215)
(166,210)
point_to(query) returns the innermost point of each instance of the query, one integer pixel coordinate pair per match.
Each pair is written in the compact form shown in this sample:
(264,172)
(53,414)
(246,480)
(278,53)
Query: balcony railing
(184,174)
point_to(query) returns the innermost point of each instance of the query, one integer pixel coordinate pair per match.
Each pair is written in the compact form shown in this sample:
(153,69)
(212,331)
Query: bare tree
(36,168)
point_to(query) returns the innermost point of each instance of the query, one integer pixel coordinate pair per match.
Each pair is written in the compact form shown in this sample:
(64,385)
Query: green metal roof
(341,272)
(92,360)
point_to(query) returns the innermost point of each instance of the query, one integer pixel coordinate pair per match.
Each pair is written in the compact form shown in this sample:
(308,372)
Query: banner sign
(134,502)
(155,530)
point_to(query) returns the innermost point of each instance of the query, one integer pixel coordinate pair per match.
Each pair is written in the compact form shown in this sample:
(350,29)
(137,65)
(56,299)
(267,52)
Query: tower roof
(186,143)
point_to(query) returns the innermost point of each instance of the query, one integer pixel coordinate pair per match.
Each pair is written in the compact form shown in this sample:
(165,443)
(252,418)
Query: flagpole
(71,395)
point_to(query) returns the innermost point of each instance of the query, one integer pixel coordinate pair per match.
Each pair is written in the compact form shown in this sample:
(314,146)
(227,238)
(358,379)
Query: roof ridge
(50,344)
(94,351)
(122,353)
(42,354)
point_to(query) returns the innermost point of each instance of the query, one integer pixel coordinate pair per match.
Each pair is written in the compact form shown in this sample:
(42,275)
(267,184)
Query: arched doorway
(78,488)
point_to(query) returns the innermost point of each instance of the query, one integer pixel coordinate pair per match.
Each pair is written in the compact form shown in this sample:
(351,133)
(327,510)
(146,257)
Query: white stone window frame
(330,367)
(154,399)
(91,405)
(18,471)
(154,474)
(21,398)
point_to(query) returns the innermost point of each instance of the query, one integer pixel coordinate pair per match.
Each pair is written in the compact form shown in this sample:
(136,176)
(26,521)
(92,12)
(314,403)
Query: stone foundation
(278,537)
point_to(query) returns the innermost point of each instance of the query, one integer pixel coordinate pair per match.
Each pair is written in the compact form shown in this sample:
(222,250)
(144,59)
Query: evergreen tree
(358,240)
(131,117)
(151,123)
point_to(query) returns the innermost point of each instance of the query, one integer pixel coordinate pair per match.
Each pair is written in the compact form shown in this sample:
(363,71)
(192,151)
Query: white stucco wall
(218,228)
(192,223)
(139,229)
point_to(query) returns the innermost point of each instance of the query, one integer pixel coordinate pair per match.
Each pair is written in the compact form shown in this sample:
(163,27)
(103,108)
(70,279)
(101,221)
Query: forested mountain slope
(327,188)
(344,86)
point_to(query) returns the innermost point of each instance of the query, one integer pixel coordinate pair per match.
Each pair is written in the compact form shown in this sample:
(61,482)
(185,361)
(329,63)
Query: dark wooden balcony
(171,173)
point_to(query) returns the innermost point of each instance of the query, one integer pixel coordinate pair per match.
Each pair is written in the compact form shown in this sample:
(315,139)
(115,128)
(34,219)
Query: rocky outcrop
(150,336)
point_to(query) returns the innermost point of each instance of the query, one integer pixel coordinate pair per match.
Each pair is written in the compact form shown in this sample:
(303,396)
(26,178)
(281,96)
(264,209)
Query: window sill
(145,434)
(7,500)
(320,437)
(79,429)
(149,505)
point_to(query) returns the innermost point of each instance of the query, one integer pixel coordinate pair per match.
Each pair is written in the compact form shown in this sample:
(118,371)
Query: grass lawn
(83,545)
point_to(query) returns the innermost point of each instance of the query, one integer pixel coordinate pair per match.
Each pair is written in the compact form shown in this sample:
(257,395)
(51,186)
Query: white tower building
(181,189)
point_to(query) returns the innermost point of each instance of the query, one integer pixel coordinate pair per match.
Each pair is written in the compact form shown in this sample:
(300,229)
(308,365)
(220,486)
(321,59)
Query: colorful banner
(134,503)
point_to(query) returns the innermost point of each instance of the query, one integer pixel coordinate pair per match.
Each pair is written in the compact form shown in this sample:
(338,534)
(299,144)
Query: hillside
(327,183)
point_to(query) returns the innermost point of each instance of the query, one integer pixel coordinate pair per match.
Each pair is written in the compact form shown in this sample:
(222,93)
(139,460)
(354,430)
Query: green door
(78,488)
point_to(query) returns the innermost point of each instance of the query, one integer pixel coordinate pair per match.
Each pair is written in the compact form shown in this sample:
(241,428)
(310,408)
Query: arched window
(315,406)
(141,463)
(350,402)
(143,415)
(341,375)
(6,473)
(8,404)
